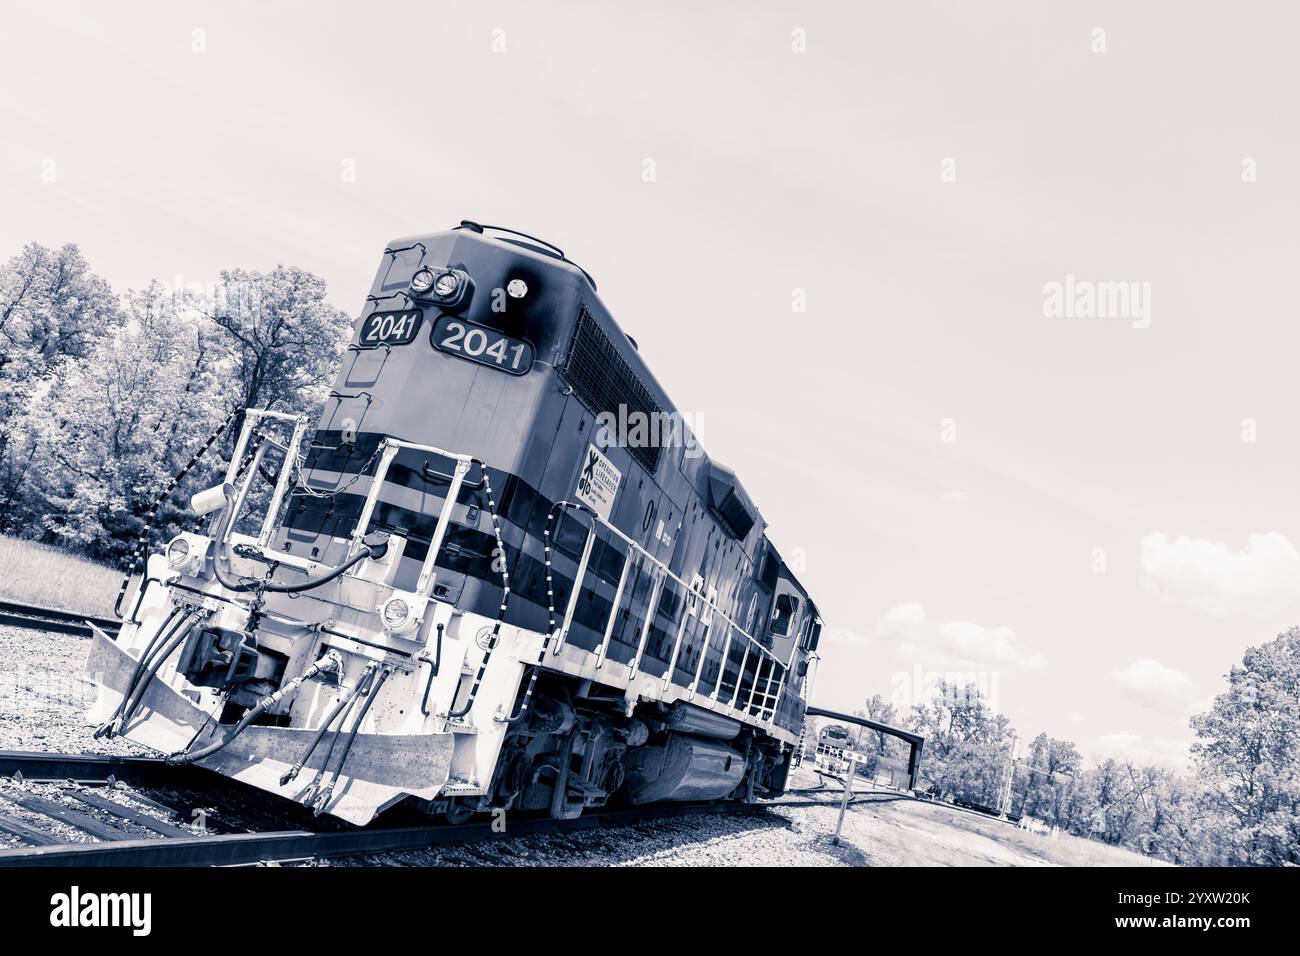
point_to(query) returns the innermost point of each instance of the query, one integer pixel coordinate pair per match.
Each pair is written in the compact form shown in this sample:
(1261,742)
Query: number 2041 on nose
(480,344)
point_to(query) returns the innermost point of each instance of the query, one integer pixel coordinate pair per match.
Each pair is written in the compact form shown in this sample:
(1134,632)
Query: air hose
(363,685)
(154,665)
(111,725)
(331,663)
(323,730)
(372,692)
(158,649)
(374,545)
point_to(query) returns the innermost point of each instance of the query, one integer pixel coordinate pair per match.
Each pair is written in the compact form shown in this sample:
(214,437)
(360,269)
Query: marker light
(178,551)
(396,613)
(422,281)
(516,288)
(446,284)
(187,554)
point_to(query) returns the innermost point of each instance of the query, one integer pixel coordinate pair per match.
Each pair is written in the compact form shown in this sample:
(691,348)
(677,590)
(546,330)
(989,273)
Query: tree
(1249,752)
(282,341)
(1048,764)
(53,309)
(967,744)
(117,424)
(875,744)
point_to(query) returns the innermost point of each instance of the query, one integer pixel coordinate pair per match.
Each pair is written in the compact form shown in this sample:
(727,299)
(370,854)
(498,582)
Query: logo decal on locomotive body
(598,482)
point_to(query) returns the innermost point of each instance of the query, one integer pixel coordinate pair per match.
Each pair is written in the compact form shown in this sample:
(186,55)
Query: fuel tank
(683,768)
(684,718)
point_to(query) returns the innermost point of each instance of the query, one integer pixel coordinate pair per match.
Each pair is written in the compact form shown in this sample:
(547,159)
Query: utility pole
(1005,802)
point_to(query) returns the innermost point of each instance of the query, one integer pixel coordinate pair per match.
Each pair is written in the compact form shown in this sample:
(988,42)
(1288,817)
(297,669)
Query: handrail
(387,452)
(663,573)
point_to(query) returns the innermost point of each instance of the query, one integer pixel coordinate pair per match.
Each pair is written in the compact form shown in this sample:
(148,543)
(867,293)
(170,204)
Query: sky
(874,250)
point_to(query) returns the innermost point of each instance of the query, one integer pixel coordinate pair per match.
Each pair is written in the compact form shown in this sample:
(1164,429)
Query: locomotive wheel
(458,813)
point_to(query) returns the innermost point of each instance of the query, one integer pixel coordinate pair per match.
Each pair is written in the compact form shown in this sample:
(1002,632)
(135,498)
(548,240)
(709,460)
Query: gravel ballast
(43,698)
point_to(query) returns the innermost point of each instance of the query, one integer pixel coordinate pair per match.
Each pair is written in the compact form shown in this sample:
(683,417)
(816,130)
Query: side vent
(729,501)
(602,378)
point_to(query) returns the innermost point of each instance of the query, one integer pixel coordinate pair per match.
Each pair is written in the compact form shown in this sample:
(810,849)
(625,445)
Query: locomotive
(469,585)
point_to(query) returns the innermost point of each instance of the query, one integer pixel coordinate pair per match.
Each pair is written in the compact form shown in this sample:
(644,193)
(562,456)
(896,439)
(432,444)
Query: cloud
(955,644)
(847,636)
(1210,577)
(1156,685)
(955,495)
(1160,751)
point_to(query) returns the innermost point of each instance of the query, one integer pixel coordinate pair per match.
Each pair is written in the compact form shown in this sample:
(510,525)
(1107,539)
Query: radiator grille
(602,378)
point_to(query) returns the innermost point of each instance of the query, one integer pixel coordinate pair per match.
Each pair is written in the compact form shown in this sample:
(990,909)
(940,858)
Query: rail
(55,620)
(117,826)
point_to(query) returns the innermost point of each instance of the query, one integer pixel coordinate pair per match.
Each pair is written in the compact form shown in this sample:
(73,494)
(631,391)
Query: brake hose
(108,726)
(320,733)
(328,664)
(367,677)
(151,659)
(372,692)
(155,664)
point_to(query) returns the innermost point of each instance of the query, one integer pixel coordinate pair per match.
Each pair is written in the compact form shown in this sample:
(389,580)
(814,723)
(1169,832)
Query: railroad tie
(129,813)
(18,828)
(73,818)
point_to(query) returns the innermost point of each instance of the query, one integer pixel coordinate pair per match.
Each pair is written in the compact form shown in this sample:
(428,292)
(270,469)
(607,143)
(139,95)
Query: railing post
(780,686)
(767,688)
(758,670)
(241,443)
(424,584)
(613,611)
(577,589)
(241,493)
(740,676)
(677,644)
(282,482)
(722,667)
(651,609)
(387,454)
(704,653)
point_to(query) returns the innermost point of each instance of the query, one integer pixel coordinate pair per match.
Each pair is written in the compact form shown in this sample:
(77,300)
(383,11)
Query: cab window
(783,614)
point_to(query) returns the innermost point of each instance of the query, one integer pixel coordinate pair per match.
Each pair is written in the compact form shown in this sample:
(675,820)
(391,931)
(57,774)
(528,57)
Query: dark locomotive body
(534,430)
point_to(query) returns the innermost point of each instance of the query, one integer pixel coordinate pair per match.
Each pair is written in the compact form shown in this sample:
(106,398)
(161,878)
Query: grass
(906,832)
(39,574)
(1066,850)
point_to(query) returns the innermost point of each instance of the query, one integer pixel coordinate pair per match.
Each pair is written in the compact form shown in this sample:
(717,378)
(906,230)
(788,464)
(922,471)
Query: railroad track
(101,797)
(51,619)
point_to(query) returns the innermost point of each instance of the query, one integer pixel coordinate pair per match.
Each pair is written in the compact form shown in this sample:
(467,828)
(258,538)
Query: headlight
(178,551)
(516,288)
(396,613)
(422,281)
(446,284)
(449,288)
